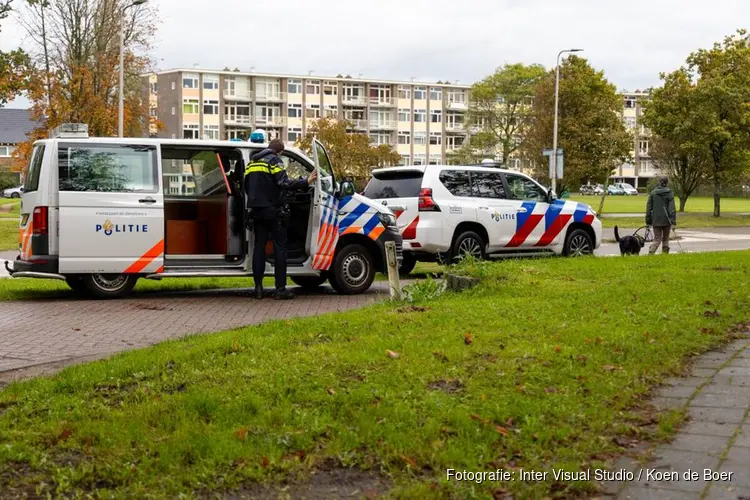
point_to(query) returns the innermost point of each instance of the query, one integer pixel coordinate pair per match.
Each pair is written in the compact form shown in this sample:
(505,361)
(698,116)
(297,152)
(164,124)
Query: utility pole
(121,109)
(554,132)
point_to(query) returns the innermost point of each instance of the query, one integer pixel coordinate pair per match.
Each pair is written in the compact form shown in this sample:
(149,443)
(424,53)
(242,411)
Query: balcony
(238,95)
(354,100)
(382,102)
(383,125)
(457,105)
(357,124)
(455,128)
(270,121)
(270,97)
(242,120)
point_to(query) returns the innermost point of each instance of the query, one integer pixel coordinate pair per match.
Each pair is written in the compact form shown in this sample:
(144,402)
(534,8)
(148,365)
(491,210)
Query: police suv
(100,213)
(447,212)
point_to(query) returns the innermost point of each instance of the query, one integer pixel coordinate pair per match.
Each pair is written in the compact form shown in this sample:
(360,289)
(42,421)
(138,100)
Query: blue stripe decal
(352,216)
(551,214)
(344,201)
(371,224)
(523,216)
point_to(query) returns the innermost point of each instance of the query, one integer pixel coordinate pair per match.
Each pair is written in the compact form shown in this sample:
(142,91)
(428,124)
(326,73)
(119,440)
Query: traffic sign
(549,153)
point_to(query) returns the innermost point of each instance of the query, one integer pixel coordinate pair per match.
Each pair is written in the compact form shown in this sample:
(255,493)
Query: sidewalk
(716,435)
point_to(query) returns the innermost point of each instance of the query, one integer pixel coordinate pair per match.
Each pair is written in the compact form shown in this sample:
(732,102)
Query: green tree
(351,154)
(722,91)
(500,105)
(673,116)
(590,128)
(15,66)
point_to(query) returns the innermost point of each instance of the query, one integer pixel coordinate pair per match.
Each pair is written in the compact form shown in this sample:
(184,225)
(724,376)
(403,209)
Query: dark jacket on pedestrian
(266,181)
(660,209)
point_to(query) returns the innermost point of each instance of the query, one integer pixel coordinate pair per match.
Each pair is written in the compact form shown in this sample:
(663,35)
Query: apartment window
(330,88)
(404,92)
(353,92)
(210,82)
(191,106)
(420,93)
(436,116)
(174,111)
(643,147)
(436,94)
(419,159)
(265,89)
(629,122)
(235,133)
(405,160)
(331,110)
(211,132)
(174,85)
(153,112)
(629,102)
(436,159)
(152,87)
(294,134)
(190,81)
(295,111)
(420,115)
(312,111)
(312,88)
(454,141)
(404,115)
(404,137)
(436,138)
(295,87)
(379,139)
(457,97)
(380,93)
(420,138)
(191,131)
(210,107)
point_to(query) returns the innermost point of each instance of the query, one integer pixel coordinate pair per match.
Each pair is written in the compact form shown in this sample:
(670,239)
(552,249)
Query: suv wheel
(353,270)
(469,243)
(15,195)
(407,263)
(109,286)
(308,282)
(578,243)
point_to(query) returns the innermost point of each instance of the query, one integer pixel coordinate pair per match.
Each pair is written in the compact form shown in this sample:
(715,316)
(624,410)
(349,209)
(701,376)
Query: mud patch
(331,482)
(449,386)
(410,309)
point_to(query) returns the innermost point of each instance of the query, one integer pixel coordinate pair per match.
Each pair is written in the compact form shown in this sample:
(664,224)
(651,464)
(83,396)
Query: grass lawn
(684,221)
(542,366)
(8,234)
(637,204)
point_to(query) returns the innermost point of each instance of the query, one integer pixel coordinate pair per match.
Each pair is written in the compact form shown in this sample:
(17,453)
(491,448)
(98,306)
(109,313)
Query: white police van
(100,213)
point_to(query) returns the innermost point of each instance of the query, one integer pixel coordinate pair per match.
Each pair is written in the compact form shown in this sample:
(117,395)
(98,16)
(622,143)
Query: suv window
(35,169)
(522,188)
(394,185)
(488,184)
(456,181)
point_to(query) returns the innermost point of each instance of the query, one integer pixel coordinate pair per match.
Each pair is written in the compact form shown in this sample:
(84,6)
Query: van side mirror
(347,189)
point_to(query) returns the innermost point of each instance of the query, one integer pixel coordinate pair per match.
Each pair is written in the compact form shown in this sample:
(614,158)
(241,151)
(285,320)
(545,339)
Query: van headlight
(388,220)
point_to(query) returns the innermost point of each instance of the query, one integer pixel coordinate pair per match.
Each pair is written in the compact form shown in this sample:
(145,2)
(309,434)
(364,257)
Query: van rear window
(387,185)
(124,168)
(35,169)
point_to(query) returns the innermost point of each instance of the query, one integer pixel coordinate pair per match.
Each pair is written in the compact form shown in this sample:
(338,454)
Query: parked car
(15,192)
(589,189)
(448,212)
(627,188)
(614,189)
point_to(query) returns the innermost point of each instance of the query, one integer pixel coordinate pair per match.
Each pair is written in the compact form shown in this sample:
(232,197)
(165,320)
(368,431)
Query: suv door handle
(521,210)
(148,199)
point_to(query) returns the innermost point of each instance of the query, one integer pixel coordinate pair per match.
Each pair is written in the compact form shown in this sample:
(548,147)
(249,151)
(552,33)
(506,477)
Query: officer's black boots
(259,292)
(283,295)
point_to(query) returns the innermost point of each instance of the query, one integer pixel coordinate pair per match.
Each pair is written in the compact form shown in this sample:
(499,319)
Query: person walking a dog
(661,215)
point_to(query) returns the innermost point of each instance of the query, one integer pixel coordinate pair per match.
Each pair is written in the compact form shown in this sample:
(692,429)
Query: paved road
(49,331)
(692,240)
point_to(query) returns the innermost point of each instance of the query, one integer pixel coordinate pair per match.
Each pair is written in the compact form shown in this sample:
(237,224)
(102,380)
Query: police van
(100,213)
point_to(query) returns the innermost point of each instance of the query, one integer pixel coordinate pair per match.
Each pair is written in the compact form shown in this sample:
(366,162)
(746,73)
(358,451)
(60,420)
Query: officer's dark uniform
(265,185)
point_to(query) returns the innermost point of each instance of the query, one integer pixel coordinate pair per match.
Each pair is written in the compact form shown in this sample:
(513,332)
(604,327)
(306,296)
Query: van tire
(469,241)
(109,286)
(76,284)
(15,195)
(407,263)
(308,282)
(353,270)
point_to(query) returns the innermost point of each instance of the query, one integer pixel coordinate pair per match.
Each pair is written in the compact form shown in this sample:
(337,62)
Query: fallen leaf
(476,417)
(331,391)
(712,314)
(501,430)
(509,422)
(558,348)
(467,338)
(409,460)
(550,390)
(709,303)
(441,357)
(65,434)
(611,368)
(392,354)
(76,329)
(236,346)
(521,389)
(264,462)
(241,433)
(535,437)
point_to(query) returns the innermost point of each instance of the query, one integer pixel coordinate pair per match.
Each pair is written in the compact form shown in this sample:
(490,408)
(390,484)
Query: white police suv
(446,212)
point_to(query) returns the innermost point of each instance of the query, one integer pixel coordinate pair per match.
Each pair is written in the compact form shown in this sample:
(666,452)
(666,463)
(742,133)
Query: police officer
(265,185)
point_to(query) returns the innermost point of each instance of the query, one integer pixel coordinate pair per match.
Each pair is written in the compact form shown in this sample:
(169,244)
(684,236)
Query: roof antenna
(309,73)
(252,68)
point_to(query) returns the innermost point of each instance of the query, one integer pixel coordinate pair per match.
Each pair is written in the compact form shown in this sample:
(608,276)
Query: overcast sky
(434,40)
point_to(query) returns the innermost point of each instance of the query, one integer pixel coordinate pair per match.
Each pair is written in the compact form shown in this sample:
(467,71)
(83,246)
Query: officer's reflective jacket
(266,180)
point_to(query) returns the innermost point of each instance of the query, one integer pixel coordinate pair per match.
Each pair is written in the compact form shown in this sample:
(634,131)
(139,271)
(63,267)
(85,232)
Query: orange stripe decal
(377,232)
(147,258)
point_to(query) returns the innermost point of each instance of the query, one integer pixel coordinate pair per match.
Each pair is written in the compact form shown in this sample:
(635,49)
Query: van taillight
(40,220)
(426,203)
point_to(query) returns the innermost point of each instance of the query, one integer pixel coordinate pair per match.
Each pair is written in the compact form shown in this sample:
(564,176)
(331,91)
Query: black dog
(629,245)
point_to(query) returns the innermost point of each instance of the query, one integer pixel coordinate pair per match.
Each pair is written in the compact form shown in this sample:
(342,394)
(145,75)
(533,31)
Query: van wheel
(353,270)
(407,263)
(469,243)
(76,284)
(109,286)
(15,195)
(308,282)
(578,243)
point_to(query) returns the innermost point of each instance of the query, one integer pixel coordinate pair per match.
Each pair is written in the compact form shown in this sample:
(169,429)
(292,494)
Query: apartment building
(422,121)
(642,169)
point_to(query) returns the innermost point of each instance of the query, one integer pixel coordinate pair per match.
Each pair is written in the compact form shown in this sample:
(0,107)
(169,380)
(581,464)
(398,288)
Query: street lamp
(121,117)
(554,133)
